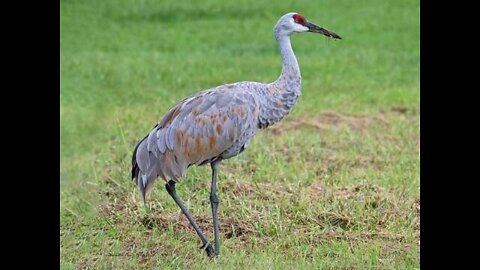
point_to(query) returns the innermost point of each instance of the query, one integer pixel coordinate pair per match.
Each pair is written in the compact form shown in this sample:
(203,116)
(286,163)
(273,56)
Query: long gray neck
(290,68)
(281,95)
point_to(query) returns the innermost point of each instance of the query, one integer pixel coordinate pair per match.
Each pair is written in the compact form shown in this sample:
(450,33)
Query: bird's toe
(210,251)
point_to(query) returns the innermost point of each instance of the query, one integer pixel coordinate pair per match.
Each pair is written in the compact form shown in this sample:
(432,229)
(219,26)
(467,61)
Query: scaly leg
(170,186)
(214,201)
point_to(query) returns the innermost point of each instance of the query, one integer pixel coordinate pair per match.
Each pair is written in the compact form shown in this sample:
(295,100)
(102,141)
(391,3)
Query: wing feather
(196,130)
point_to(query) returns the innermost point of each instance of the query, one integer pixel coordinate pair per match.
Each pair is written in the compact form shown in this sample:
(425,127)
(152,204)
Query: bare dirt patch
(324,120)
(229,227)
(361,190)
(260,190)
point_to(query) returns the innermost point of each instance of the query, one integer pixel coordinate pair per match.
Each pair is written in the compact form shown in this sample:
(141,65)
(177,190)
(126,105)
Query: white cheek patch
(297,27)
(300,28)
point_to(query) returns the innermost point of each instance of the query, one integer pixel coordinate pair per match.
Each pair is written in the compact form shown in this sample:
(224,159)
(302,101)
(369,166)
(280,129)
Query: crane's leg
(214,201)
(170,186)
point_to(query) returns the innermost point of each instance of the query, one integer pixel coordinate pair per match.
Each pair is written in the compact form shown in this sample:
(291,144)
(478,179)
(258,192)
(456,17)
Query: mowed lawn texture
(334,185)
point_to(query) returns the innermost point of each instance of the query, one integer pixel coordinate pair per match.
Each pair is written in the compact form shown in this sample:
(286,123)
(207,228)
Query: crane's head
(296,23)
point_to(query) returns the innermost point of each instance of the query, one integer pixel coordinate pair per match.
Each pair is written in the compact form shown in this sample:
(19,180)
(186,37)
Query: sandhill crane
(217,124)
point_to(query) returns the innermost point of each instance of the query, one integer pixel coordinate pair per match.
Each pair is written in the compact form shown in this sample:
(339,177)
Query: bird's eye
(298,19)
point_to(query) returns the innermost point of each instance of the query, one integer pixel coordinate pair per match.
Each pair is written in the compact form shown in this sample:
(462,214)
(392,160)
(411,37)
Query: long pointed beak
(317,29)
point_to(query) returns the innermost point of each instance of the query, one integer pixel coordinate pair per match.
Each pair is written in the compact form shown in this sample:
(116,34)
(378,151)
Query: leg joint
(214,198)
(170,186)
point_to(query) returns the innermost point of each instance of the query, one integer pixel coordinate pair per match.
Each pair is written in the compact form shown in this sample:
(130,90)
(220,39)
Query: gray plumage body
(215,124)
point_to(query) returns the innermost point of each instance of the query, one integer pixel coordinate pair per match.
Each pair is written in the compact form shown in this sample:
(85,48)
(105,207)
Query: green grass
(334,185)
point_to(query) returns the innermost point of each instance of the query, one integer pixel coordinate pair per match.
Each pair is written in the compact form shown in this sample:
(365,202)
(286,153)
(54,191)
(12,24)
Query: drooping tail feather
(136,170)
(150,162)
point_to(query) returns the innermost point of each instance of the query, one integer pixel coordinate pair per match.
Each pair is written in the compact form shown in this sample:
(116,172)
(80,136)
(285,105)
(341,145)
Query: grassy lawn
(334,185)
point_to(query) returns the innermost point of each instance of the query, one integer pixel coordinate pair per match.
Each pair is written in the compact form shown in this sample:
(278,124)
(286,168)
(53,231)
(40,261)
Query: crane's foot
(209,249)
